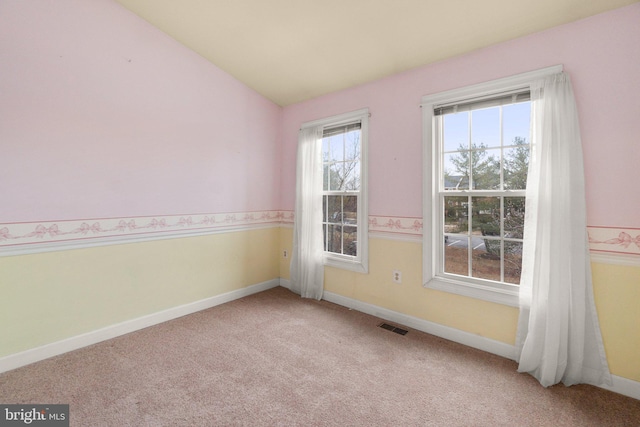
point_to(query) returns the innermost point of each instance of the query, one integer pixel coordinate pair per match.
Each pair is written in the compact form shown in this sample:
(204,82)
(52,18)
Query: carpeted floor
(275,359)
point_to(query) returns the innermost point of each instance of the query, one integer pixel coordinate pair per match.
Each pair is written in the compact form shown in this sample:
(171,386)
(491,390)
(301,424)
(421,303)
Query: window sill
(345,263)
(475,290)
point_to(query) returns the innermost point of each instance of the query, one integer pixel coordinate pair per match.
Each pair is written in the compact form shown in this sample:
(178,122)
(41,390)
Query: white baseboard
(446,332)
(620,385)
(624,386)
(285,283)
(23,358)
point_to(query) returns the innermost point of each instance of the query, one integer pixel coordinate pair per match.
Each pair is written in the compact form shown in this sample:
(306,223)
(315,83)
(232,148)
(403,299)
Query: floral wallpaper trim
(386,224)
(611,240)
(602,239)
(398,225)
(614,240)
(33,233)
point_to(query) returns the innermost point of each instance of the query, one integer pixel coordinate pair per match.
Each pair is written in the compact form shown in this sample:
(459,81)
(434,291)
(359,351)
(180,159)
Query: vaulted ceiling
(293,50)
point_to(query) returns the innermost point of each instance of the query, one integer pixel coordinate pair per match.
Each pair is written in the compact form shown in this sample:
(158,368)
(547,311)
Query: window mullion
(469,233)
(469,198)
(502,253)
(324,222)
(469,146)
(501,151)
(342,224)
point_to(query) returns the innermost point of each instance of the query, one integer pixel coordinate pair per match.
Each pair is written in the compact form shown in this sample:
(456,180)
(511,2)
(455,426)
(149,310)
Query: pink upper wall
(600,53)
(102,115)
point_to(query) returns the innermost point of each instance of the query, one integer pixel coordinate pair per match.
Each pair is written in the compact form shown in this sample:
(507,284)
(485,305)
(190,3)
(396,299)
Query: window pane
(456,215)
(485,127)
(334,209)
(485,218)
(336,176)
(350,240)
(456,255)
(352,175)
(336,149)
(484,264)
(456,131)
(512,262)
(485,166)
(352,145)
(516,166)
(516,120)
(334,238)
(456,170)
(514,217)
(350,215)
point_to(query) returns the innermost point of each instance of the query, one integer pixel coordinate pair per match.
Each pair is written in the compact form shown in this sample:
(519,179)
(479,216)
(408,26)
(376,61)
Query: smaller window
(344,190)
(341,148)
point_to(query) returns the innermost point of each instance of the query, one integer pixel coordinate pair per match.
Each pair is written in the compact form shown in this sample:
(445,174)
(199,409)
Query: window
(477,143)
(484,157)
(344,185)
(341,188)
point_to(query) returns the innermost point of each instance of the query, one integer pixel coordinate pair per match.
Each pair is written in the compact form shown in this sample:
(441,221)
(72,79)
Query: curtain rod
(338,118)
(331,124)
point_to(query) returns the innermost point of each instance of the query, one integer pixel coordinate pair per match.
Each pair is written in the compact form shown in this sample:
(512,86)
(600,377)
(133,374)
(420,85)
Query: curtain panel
(558,337)
(307,256)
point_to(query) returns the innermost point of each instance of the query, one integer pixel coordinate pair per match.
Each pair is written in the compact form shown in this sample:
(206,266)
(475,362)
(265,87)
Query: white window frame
(360,262)
(432,262)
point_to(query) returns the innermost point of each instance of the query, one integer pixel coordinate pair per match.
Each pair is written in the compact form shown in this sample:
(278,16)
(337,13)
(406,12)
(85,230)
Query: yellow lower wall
(51,296)
(616,290)
(617,294)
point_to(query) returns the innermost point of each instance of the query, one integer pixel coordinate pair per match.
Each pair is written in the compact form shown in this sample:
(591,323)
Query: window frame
(432,262)
(360,262)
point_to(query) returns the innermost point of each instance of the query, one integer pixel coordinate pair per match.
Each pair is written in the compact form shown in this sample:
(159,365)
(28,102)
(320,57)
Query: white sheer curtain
(558,336)
(307,269)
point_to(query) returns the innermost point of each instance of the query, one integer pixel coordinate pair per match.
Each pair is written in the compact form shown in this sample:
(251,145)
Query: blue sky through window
(483,126)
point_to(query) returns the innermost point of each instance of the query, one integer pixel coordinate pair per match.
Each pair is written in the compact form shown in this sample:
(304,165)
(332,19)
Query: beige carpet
(275,359)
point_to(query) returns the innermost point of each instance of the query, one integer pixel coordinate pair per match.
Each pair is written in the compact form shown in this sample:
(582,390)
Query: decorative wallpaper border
(28,237)
(615,240)
(607,244)
(396,225)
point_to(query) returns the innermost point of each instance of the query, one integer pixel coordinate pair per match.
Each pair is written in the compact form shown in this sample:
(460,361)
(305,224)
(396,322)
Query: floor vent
(392,328)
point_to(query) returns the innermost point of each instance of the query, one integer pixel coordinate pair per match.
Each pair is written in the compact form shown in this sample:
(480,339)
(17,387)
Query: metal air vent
(392,328)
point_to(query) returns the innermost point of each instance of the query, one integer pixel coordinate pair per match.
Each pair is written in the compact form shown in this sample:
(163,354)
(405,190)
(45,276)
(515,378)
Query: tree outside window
(483,200)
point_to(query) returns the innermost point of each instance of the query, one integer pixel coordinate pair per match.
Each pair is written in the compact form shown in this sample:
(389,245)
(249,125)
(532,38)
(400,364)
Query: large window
(484,157)
(477,145)
(344,185)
